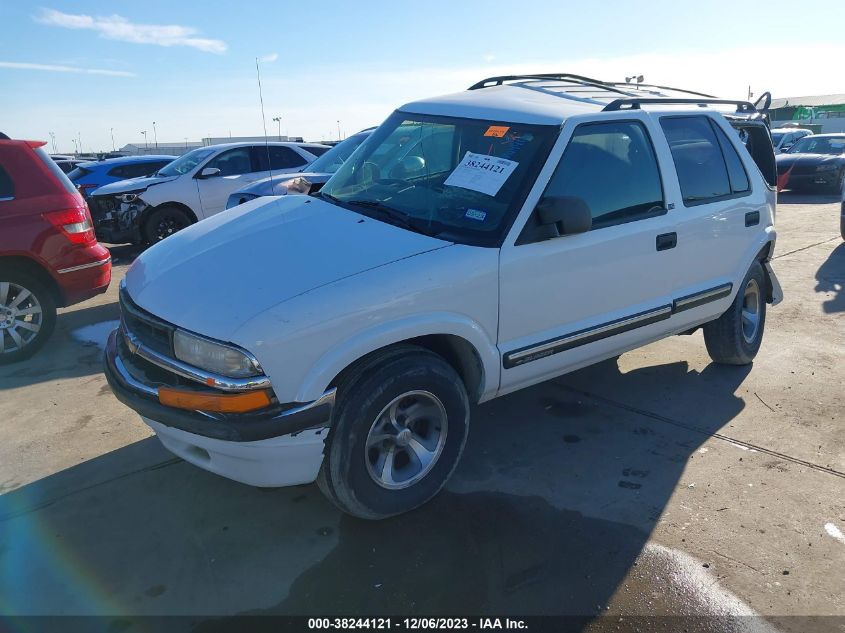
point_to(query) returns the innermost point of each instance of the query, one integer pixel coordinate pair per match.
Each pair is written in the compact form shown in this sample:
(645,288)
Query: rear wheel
(735,337)
(27,315)
(164,222)
(398,431)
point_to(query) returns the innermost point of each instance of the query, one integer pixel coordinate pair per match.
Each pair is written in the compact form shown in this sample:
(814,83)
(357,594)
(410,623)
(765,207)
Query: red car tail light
(75,224)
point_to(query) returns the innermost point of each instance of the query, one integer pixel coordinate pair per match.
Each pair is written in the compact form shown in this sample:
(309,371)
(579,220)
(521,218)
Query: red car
(49,256)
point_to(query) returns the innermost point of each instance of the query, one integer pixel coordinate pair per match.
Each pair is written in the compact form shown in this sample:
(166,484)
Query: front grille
(150,331)
(100,205)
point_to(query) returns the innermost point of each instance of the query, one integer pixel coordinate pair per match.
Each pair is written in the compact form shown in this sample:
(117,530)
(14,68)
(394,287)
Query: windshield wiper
(405,220)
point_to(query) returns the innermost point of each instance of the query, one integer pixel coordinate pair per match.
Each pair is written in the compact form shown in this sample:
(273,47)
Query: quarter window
(612,167)
(702,173)
(736,172)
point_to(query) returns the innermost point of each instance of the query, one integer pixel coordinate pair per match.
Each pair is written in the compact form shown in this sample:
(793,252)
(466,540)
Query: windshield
(186,162)
(819,145)
(331,161)
(462,180)
(777,136)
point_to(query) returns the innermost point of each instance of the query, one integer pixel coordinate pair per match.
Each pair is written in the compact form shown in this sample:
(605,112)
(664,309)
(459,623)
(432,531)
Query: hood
(133,184)
(275,186)
(797,161)
(213,276)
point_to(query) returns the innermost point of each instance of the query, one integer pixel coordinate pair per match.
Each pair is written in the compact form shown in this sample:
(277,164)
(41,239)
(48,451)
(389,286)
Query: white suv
(194,186)
(541,224)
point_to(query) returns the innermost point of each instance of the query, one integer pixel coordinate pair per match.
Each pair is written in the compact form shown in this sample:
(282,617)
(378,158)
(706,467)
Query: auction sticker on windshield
(478,172)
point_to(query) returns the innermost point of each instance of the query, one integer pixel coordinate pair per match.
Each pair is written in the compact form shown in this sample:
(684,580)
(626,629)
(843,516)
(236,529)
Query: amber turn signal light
(218,403)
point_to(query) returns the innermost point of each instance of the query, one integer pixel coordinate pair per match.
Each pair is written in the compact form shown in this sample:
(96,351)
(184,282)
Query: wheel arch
(37,270)
(462,344)
(179,205)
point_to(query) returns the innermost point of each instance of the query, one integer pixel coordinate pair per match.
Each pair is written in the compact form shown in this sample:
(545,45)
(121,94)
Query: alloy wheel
(21,317)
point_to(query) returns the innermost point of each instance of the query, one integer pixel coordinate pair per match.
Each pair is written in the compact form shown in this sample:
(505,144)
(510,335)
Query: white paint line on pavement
(95,333)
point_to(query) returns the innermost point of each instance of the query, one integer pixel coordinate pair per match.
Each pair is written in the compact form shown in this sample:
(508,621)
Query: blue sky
(84,68)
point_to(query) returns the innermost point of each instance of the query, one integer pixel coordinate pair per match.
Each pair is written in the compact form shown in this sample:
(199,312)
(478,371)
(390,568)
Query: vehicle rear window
(55,170)
(702,173)
(78,173)
(7,187)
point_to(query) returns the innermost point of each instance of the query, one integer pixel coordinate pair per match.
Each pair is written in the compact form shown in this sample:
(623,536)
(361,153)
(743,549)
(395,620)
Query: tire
(735,337)
(390,400)
(164,222)
(23,292)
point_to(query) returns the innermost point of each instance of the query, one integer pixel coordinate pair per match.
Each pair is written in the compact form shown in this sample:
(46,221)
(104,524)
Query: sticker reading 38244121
(482,173)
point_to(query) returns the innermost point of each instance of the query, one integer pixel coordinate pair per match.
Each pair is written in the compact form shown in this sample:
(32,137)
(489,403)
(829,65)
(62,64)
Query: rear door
(571,300)
(238,167)
(718,211)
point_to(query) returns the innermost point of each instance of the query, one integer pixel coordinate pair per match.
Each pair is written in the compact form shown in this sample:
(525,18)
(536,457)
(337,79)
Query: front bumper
(279,447)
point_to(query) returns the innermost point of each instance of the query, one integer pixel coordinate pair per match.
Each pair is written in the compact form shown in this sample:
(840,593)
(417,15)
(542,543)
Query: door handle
(752,218)
(667,241)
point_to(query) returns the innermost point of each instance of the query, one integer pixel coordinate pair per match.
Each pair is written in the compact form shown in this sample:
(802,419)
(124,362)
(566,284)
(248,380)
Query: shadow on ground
(830,277)
(552,504)
(803,197)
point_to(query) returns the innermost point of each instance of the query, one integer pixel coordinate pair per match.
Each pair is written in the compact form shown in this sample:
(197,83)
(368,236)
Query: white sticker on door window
(478,172)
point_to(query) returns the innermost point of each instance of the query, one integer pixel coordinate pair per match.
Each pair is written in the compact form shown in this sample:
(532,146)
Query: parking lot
(656,484)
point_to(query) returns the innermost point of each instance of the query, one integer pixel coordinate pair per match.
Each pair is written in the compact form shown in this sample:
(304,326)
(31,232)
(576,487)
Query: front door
(236,170)
(567,301)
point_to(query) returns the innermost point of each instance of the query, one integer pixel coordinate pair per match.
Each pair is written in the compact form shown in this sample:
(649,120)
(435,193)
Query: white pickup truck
(542,223)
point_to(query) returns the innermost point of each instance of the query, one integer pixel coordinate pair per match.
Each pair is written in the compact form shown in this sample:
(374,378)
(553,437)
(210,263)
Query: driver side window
(233,162)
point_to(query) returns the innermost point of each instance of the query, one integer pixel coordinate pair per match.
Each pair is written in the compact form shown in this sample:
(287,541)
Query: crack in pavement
(804,248)
(689,427)
(49,502)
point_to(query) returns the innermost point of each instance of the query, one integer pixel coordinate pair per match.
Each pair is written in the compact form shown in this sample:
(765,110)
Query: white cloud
(268,58)
(65,69)
(116,27)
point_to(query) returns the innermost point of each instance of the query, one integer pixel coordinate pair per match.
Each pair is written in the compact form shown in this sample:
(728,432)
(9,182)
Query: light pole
(75,147)
(112,138)
(155,136)
(338,130)
(79,135)
(146,145)
(278,120)
(53,139)
(186,143)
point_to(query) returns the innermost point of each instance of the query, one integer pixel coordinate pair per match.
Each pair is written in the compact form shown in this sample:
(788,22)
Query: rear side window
(7,187)
(612,167)
(702,173)
(280,157)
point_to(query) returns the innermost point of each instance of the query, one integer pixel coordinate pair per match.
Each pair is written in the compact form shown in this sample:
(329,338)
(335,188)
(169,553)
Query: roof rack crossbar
(634,103)
(646,86)
(579,79)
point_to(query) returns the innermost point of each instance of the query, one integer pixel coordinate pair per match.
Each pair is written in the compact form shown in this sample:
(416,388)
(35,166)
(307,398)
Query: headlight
(130,196)
(827,167)
(214,357)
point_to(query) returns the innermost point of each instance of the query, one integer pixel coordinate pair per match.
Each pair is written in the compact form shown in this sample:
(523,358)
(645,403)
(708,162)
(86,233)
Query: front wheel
(398,431)
(27,315)
(164,222)
(735,337)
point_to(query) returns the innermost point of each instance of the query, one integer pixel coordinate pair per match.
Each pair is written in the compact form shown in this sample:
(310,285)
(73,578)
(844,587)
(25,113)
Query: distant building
(179,148)
(821,113)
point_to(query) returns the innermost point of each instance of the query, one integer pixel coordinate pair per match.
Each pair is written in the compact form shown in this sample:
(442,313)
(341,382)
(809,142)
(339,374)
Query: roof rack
(578,79)
(656,87)
(634,103)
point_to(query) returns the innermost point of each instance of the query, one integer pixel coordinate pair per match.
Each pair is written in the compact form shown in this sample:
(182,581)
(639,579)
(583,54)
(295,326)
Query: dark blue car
(89,176)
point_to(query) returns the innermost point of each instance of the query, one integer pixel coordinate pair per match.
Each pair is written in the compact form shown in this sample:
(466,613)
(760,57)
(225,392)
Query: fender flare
(318,378)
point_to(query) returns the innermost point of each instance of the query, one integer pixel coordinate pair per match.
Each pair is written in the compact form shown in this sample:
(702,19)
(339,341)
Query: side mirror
(209,172)
(568,214)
